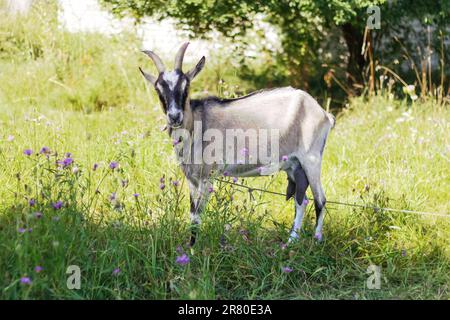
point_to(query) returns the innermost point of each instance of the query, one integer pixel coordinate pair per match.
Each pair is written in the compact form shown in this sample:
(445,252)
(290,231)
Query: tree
(304,26)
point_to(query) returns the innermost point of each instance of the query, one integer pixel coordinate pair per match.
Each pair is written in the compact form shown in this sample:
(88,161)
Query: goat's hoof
(293,238)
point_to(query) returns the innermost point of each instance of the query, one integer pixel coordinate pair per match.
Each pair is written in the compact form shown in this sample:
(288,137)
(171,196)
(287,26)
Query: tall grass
(125,226)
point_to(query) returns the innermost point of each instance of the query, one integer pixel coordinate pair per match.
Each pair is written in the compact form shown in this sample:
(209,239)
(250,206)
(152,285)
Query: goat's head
(173,86)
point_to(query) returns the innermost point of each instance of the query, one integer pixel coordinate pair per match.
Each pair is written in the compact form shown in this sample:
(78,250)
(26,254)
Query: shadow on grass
(237,256)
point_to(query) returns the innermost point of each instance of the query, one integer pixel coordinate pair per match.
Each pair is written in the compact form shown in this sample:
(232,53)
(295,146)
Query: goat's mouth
(175,125)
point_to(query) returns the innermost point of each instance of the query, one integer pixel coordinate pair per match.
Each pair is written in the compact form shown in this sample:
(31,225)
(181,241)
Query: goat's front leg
(199,194)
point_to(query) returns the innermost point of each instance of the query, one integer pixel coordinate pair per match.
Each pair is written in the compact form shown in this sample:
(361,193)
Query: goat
(302,126)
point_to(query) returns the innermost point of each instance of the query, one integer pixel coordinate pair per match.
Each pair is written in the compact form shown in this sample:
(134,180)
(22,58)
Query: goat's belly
(251,170)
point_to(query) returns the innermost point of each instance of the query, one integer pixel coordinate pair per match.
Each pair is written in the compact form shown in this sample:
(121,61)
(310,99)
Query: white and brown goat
(302,127)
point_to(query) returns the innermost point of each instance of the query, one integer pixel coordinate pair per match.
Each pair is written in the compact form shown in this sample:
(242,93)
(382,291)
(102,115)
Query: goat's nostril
(174,117)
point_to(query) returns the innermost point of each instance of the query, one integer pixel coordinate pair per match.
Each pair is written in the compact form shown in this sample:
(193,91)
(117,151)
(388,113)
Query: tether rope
(375,208)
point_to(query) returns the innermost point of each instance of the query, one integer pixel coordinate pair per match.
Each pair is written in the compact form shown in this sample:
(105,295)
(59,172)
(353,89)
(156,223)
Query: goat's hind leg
(301,184)
(313,175)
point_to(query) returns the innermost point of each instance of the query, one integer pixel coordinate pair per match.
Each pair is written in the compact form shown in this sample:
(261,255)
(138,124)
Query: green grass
(376,155)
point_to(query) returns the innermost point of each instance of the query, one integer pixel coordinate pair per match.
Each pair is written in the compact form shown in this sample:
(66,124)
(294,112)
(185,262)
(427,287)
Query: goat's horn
(158,63)
(180,56)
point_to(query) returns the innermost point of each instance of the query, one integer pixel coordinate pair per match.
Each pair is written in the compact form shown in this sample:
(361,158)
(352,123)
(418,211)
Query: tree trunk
(355,68)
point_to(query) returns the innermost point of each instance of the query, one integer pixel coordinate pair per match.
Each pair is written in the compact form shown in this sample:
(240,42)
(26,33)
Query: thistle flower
(25,280)
(182,260)
(136,195)
(318,236)
(31,202)
(57,205)
(95,167)
(38,269)
(38,215)
(113,165)
(28,152)
(44,150)
(116,271)
(66,162)
(286,269)
(162,186)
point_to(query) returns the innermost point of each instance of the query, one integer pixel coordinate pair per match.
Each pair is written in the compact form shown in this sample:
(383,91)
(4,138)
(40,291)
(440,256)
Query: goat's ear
(195,71)
(148,76)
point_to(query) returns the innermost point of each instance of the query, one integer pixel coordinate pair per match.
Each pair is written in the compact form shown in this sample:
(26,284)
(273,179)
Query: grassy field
(102,206)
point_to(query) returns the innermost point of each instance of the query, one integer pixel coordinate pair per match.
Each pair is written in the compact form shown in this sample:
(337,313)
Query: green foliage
(310,33)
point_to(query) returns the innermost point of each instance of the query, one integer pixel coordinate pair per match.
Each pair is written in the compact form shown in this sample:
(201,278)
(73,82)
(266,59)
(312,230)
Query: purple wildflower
(21,230)
(31,202)
(161,180)
(226,173)
(175,142)
(113,165)
(403,252)
(112,197)
(57,205)
(65,163)
(38,269)
(30,229)
(162,186)
(38,215)
(284,158)
(28,152)
(68,155)
(136,195)
(10,138)
(286,269)
(176,183)
(95,166)
(305,201)
(318,236)
(210,189)
(235,179)
(183,259)
(116,271)
(124,183)
(45,150)
(25,280)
